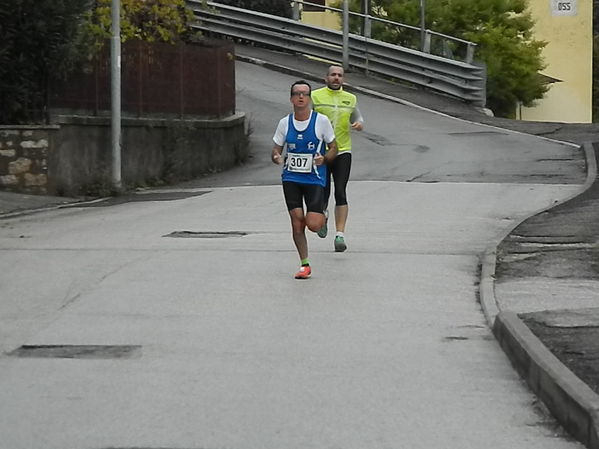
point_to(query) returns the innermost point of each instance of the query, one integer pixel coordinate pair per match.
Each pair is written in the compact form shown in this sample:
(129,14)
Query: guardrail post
(422,25)
(470,52)
(296,11)
(367,22)
(426,48)
(482,84)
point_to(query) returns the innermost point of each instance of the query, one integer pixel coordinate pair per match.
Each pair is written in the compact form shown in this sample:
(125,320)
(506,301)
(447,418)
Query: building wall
(567,26)
(326,19)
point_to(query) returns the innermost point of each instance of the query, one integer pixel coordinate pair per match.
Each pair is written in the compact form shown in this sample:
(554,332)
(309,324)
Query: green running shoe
(322,232)
(340,245)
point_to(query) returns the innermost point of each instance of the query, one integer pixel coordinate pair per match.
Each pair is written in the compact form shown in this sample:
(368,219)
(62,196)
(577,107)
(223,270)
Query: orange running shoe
(304,272)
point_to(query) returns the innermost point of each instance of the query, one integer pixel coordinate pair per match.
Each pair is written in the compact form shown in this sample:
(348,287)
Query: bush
(39,40)
(146,20)
(44,39)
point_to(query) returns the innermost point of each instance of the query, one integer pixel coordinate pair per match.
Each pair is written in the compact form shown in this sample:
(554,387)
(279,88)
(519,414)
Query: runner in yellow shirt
(341,108)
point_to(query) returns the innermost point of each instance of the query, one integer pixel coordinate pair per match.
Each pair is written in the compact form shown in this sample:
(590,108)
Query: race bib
(299,162)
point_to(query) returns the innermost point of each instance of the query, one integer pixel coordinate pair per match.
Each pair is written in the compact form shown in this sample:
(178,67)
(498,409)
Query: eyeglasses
(299,94)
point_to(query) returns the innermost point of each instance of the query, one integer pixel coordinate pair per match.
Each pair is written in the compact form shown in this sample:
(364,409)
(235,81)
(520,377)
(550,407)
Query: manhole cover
(78,351)
(206,234)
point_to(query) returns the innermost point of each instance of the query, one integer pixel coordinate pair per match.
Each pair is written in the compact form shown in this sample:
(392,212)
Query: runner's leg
(298,230)
(341,178)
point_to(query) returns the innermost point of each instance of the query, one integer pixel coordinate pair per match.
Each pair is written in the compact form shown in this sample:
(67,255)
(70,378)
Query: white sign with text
(563,7)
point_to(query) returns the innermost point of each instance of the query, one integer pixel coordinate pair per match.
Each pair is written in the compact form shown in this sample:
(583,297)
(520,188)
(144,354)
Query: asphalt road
(210,342)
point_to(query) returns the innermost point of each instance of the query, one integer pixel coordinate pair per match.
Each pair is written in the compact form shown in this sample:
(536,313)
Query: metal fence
(417,38)
(444,75)
(159,79)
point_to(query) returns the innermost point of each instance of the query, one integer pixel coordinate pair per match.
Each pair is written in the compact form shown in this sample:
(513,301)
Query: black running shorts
(296,194)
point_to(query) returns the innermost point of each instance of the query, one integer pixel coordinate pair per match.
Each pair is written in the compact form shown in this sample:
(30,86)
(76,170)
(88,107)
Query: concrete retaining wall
(73,157)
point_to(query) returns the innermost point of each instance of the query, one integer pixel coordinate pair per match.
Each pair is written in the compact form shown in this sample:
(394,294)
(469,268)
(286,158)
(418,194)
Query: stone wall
(74,157)
(24,158)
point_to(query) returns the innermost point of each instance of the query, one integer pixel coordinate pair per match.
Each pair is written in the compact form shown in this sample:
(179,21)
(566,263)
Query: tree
(39,38)
(50,38)
(503,30)
(147,20)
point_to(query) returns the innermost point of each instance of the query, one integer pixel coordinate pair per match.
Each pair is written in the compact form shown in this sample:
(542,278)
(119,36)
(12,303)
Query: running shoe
(322,232)
(304,272)
(340,245)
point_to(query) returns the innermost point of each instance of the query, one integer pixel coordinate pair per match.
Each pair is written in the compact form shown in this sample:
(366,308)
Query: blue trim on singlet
(305,142)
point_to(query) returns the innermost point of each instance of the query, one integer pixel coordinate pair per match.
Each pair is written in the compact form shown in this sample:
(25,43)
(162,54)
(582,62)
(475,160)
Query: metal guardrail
(456,78)
(447,43)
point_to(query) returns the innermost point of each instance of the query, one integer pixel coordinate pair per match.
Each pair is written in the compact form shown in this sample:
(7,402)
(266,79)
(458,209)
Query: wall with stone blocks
(74,157)
(24,158)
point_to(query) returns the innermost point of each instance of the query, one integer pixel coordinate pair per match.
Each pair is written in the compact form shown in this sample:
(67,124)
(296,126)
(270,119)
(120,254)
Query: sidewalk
(538,287)
(12,204)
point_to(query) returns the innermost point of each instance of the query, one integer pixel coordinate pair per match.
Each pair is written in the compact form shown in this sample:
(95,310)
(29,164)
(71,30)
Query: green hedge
(38,41)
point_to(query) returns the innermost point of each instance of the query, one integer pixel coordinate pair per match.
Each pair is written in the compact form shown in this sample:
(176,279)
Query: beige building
(319,16)
(567,27)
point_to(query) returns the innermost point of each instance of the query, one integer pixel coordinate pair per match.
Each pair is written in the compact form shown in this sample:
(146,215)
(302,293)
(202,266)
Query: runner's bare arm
(331,152)
(276,157)
(357,121)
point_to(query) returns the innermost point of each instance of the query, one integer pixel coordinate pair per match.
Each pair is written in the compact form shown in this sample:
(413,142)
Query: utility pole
(115,84)
(345,35)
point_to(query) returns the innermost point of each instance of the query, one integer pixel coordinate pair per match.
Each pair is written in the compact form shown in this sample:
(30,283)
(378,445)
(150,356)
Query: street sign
(564,7)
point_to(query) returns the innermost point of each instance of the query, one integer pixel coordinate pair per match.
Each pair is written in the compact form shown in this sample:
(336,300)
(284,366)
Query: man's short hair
(335,66)
(301,83)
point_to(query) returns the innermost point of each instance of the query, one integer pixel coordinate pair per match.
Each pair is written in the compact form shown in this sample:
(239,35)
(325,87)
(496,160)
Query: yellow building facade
(567,27)
(325,19)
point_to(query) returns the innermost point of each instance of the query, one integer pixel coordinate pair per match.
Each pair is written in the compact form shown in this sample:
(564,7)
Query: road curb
(568,398)
(488,301)
(35,210)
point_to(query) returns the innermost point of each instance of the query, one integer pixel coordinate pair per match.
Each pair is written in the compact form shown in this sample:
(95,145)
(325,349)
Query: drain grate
(78,351)
(205,234)
(455,338)
(477,133)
